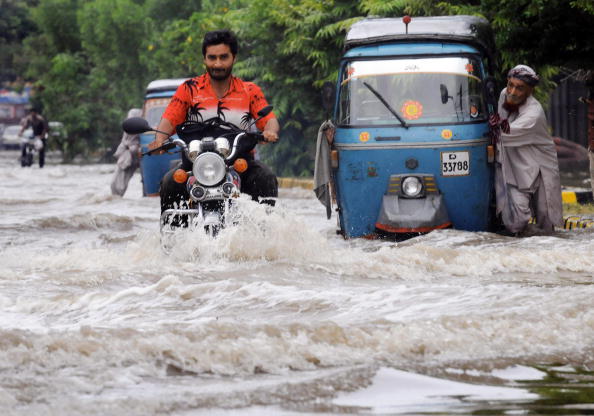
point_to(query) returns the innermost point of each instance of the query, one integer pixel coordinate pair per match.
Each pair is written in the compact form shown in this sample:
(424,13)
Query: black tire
(29,159)
(212,230)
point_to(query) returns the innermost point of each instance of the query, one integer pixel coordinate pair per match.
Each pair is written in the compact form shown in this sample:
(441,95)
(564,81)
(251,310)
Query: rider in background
(218,94)
(40,129)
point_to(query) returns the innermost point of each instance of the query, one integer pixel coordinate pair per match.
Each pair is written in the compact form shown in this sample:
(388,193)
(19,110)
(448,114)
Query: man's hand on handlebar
(270,136)
(164,130)
(271,131)
(154,145)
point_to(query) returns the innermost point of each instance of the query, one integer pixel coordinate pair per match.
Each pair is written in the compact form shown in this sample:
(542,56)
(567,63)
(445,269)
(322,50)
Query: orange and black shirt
(195,100)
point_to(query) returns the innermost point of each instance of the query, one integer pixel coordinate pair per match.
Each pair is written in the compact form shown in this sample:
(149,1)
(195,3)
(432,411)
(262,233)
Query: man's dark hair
(216,37)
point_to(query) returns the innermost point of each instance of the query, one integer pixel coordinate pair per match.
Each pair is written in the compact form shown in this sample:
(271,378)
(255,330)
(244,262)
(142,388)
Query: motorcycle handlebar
(256,137)
(168,145)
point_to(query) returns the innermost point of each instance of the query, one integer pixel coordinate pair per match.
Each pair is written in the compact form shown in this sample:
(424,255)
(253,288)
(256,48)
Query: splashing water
(277,314)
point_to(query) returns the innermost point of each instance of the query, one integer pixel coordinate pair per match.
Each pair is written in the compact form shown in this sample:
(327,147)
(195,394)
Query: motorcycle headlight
(209,169)
(223,146)
(412,186)
(194,149)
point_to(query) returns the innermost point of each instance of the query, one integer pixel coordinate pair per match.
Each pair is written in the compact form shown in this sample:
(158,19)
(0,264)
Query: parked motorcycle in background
(213,183)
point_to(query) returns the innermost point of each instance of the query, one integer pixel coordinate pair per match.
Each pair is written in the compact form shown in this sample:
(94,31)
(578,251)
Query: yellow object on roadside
(569,197)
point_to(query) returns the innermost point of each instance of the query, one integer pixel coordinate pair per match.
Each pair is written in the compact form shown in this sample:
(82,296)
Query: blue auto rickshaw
(412,151)
(154,167)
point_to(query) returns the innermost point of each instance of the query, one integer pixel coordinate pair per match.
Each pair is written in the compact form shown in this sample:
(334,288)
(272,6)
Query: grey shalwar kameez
(127,159)
(527,179)
(322,169)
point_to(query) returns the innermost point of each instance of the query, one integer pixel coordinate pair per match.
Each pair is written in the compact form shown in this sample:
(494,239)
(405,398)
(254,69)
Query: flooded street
(278,315)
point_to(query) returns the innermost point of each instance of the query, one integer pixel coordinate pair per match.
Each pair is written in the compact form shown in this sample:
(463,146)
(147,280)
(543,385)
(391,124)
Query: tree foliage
(94,57)
(86,62)
(15,25)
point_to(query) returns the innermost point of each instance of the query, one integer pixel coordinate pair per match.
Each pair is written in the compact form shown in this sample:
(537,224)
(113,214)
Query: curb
(577,197)
(573,221)
(295,183)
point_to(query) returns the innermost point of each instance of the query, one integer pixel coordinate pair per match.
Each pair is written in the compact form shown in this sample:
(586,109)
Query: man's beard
(510,107)
(220,74)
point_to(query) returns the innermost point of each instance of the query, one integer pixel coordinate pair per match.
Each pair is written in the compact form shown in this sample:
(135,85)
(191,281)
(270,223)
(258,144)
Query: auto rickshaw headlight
(412,186)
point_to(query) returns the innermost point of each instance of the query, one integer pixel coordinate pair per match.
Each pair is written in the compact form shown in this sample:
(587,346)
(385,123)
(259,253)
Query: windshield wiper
(384,102)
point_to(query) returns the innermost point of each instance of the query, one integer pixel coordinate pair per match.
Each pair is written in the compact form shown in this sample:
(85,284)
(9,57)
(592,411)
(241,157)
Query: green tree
(65,98)
(293,49)
(163,11)
(15,25)
(290,48)
(87,58)
(113,37)
(54,60)
(175,50)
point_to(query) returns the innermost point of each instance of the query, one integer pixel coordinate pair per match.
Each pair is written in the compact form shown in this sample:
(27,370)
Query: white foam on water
(281,237)
(94,312)
(202,335)
(519,372)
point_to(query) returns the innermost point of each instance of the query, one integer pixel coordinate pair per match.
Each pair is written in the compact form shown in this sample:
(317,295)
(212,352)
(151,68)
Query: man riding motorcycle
(218,94)
(40,128)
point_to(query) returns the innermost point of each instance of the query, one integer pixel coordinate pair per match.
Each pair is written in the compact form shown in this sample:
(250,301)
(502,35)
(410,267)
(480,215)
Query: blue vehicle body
(154,167)
(446,152)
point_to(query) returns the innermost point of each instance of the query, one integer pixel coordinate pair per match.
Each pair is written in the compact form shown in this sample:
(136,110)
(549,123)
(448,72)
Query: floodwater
(278,315)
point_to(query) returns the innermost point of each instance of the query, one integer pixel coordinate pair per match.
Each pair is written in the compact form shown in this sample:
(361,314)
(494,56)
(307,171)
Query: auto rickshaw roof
(468,29)
(164,85)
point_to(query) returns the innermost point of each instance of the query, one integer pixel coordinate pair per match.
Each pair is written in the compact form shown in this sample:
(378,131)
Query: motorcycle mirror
(136,125)
(261,114)
(444,93)
(490,92)
(265,111)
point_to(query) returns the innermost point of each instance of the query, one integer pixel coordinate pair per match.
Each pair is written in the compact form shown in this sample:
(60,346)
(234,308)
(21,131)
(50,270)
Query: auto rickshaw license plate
(455,163)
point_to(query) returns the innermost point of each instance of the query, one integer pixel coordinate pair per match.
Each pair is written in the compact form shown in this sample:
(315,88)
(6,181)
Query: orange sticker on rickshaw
(446,134)
(364,136)
(412,110)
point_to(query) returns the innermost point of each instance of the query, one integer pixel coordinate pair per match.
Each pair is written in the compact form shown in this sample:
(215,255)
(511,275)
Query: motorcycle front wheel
(27,160)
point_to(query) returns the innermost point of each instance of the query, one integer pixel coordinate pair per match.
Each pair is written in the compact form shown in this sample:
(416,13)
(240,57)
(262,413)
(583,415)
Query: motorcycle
(213,182)
(30,145)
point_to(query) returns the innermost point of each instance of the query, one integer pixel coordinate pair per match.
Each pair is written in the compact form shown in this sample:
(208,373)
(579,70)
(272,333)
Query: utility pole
(590,101)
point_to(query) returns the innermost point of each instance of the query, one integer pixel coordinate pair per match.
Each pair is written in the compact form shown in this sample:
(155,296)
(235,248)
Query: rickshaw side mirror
(490,93)
(328,93)
(444,93)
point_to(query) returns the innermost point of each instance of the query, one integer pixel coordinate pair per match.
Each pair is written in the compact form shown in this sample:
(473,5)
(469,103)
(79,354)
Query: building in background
(12,105)
(567,113)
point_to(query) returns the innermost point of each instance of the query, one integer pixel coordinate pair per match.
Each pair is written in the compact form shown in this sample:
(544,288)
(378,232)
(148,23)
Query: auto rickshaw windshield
(154,109)
(435,90)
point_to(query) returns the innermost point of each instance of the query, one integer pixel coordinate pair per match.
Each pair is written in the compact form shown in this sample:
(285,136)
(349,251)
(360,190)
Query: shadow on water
(555,390)
(565,390)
